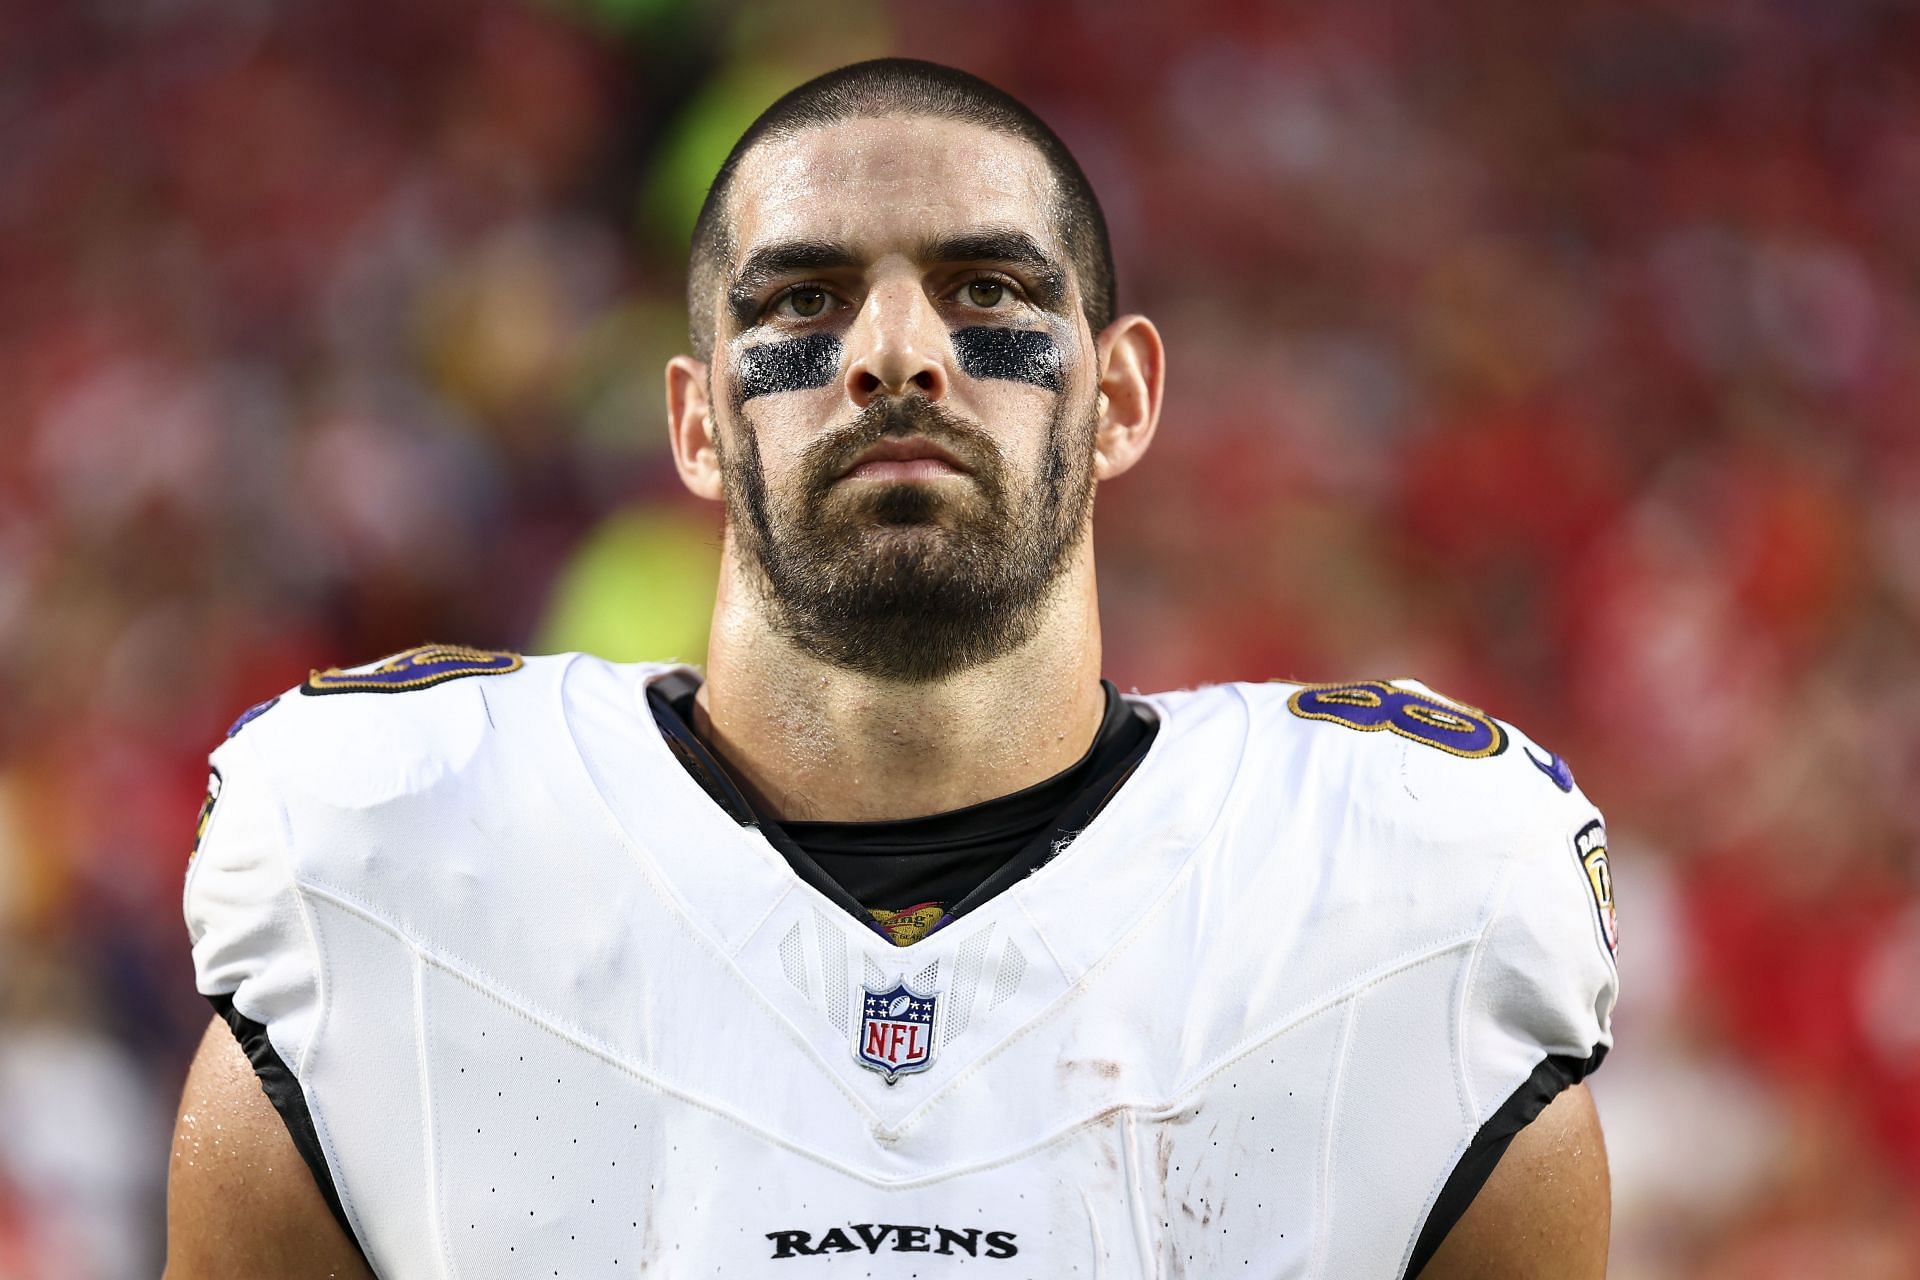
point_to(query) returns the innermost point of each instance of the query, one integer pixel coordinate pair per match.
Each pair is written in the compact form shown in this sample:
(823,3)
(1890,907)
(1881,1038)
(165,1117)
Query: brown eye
(808,302)
(986,293)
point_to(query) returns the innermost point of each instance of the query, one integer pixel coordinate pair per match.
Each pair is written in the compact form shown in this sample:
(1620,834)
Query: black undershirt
(940,866)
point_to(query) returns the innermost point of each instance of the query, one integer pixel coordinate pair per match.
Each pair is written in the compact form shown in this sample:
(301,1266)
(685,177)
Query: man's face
(903,387)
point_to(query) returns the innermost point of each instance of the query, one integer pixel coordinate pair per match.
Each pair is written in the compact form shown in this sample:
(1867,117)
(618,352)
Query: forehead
(879,184)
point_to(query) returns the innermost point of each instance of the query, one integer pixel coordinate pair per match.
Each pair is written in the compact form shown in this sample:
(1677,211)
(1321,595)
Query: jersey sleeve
(1543,981)
(1538,1012)
(253,953)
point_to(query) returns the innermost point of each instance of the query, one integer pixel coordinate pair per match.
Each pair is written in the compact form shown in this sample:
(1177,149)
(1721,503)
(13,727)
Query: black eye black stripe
(985,351)
(1013,355)
(798,364)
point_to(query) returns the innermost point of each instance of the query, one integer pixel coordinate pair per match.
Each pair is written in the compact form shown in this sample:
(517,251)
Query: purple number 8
(1373,705)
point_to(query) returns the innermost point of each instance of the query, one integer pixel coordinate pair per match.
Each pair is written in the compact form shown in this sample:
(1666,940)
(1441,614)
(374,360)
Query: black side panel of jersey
(284,1092)
(1554,1074)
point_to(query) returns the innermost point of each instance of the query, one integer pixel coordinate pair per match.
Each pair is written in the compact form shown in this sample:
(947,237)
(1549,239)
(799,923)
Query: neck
(811,741)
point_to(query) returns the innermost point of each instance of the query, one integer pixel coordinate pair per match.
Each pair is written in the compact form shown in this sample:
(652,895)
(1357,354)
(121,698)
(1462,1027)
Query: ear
(1133,374)
(691,428)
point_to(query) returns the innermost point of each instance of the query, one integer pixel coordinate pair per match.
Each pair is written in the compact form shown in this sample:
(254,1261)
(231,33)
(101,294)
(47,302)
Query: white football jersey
(553,1012)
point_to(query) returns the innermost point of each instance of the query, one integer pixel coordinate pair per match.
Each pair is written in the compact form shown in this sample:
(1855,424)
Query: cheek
(780,428)
(1005,369)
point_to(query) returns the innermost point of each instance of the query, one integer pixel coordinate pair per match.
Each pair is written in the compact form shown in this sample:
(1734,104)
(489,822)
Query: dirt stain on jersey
(1074,1069)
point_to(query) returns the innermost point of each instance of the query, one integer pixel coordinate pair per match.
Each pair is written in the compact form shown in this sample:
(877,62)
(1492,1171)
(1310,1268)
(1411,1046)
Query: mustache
(828,458)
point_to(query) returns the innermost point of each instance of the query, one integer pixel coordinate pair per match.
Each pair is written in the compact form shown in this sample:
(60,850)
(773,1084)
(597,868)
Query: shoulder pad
(1447,779)
(1405,747)
(354,752)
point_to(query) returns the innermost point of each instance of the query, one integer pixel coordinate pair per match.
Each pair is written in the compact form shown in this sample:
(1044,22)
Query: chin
(906,548)
(907,505)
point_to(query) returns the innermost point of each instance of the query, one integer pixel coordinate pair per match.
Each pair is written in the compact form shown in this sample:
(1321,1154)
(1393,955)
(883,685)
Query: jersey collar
(727,876)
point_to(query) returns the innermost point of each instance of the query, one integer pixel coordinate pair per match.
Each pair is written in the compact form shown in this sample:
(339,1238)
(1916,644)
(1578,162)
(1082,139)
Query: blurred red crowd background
(1565,356)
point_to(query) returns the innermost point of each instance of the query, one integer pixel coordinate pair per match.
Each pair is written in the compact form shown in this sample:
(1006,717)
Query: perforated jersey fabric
(553,1012)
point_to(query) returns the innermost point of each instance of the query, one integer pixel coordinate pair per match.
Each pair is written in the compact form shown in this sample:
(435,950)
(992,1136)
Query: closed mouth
(914,449)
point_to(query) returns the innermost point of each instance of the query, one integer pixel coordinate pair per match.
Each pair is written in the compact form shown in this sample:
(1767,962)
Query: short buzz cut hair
(911,88)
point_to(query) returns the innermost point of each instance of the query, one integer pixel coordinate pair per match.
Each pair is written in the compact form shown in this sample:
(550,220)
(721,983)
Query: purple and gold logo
(206,812)
(1590,845)
(419,668)
(1373,705)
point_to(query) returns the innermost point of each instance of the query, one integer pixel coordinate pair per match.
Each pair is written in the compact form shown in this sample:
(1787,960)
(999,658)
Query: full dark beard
(911,582)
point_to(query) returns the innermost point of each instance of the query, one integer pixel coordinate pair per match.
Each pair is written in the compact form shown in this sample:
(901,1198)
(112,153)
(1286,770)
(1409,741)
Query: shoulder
(382,726)
(1436,788)
(1409,756)
(1444,803)
(298,772)
(361,779)
(412,723)
(1412,765)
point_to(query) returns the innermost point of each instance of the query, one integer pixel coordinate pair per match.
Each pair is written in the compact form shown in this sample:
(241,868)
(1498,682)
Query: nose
(897,345)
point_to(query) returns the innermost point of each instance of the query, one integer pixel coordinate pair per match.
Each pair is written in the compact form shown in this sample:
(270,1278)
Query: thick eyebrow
(1005,246)
(783,257)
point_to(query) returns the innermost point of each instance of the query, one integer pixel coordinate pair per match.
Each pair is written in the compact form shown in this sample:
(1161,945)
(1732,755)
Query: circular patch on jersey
(420,668)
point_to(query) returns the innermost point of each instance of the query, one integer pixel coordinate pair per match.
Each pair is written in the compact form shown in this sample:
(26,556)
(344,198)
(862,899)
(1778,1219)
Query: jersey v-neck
(908,877)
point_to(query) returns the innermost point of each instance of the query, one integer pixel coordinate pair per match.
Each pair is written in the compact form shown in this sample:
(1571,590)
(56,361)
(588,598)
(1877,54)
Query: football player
(898,943)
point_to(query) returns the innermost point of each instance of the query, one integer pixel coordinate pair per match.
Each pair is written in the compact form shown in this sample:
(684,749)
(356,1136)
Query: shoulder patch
(420,668)
(1373,705)
(1590,846)
(206,812)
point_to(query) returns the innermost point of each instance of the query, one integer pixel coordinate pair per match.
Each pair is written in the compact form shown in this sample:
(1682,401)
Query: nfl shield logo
(895,1034)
